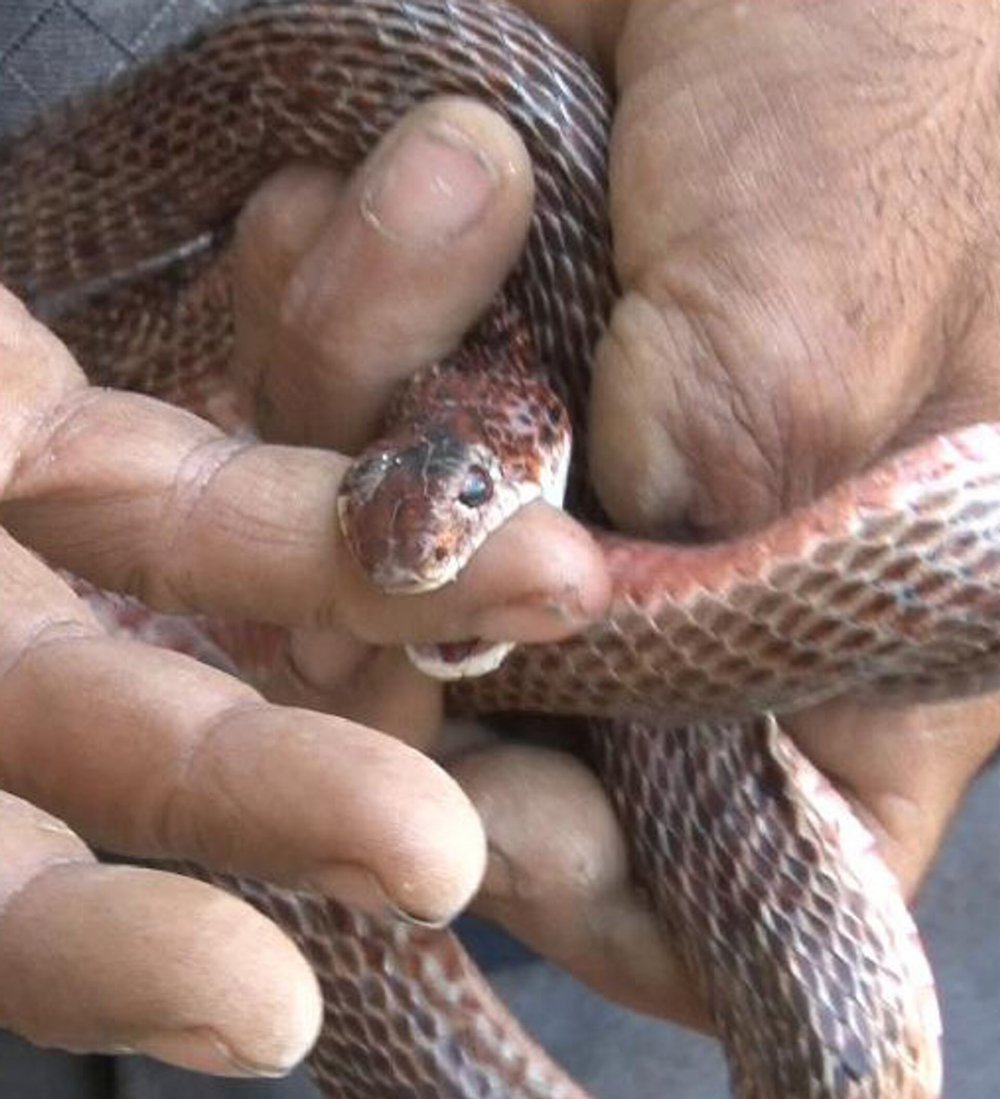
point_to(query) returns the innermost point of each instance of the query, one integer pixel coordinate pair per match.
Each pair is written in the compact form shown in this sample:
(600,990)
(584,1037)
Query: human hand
(147,753)
(802,200)
(570,895)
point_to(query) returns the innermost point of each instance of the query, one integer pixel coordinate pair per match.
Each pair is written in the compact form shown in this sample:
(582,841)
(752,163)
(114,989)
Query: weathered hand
(794,306)
(803,198)
(147,753)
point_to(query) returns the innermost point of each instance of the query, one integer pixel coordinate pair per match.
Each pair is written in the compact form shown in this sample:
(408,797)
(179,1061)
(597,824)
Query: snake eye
(478,488)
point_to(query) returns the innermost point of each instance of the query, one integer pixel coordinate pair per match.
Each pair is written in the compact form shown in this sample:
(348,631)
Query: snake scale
(799,939)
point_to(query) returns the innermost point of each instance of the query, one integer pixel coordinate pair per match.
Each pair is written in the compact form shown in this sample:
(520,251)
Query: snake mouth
(450,660)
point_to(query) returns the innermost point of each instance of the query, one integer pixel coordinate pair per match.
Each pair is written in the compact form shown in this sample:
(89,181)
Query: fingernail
(428,187)
(359,887)
(202,1050)
(412,920)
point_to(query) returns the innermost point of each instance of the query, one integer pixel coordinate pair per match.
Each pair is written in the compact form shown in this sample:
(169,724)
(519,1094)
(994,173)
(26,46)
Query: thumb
(710,422)
(786,266)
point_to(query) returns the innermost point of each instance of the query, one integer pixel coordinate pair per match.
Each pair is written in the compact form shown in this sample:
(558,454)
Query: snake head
(476,438)
(416,507)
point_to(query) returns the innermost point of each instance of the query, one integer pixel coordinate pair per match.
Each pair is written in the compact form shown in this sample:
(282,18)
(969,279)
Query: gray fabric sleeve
(50,49)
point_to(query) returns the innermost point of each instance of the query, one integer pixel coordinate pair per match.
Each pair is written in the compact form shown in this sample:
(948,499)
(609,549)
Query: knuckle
(23,903)
(690,384)
(166,579)
(43,407)
(754,383)
(41,635)
(195,812)
(34,872)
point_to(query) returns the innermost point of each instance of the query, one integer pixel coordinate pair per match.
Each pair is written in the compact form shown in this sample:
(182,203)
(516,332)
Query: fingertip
(280,221)
(449,165)
(261,1009)
(321,803)
(441,861)
(568,893)
(546,574)
(112,958)
(421,864)
(424,869)
(516,788)
(540,577)
(448,189)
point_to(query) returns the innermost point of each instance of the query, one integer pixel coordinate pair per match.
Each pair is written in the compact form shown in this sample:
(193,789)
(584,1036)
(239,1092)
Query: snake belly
(113,216)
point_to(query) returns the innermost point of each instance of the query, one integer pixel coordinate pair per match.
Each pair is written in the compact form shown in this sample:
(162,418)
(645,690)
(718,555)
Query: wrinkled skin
(145,752)
(804,201)
(795,304)
(801,198)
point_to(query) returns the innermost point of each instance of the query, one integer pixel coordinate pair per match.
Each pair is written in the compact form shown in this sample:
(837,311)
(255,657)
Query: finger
(141,497)
(567,891)
(342,292)
(172,758)
(114,959)
(332,672)
(905,768)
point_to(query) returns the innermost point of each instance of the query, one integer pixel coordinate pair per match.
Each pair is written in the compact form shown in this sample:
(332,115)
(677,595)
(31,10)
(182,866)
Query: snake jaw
(464,660)
(477,657)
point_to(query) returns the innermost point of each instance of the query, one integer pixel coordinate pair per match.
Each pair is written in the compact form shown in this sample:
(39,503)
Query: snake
(115,217)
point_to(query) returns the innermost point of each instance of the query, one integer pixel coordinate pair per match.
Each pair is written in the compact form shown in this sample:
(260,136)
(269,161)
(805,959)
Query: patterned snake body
(795,930)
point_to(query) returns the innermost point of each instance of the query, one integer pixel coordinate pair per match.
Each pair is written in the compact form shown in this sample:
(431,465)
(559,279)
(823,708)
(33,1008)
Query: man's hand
(801,196)
(804,198)
(803,242)
(147,753)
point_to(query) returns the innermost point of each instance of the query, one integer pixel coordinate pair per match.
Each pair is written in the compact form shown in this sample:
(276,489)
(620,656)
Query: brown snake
(796,932)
